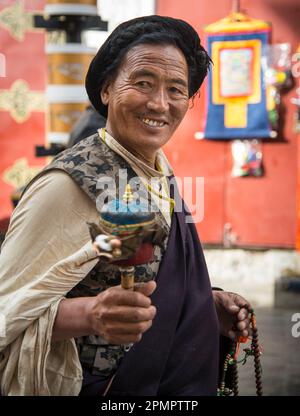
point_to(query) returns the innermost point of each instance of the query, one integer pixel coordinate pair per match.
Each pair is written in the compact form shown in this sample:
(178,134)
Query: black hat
(148,29)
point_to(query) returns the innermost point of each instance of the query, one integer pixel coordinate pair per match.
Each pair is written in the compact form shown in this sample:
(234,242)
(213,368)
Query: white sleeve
(47,251)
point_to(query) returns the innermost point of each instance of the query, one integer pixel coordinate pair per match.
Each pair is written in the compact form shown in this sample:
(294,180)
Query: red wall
(262,211)
(25,60)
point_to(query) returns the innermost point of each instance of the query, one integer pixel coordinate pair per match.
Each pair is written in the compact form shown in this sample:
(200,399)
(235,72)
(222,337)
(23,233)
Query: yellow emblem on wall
(20,173)
(20,101)
(16,20)
(236,78)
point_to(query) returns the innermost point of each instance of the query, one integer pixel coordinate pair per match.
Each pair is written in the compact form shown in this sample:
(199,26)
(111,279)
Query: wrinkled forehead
(163,57)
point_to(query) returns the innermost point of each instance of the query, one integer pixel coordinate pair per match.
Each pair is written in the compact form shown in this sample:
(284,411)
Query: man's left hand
(232,314)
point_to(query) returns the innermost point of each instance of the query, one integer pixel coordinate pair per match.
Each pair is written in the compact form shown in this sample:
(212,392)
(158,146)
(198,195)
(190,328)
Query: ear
(105,92)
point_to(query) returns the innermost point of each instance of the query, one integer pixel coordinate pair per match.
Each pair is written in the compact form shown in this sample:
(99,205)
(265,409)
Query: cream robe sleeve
(47,251)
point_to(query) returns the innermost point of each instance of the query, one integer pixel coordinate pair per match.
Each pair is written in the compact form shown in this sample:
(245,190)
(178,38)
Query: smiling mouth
(153,123)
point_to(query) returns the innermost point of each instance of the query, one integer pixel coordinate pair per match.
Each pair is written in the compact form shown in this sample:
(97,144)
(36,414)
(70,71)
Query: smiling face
(147,99)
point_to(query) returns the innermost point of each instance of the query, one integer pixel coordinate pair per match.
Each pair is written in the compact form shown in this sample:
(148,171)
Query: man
(68,322)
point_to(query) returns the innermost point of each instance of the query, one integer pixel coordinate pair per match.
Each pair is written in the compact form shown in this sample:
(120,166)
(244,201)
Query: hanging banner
(236,90)
(22,97)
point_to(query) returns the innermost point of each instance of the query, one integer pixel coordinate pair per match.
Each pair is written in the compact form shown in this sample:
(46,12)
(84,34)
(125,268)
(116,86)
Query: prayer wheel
(68,59)
(65,105)
(67,99)
(67,66)
(136,226)
(68,63)
(127,218)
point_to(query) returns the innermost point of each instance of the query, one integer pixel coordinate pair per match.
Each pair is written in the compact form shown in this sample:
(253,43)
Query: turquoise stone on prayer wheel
(127,219)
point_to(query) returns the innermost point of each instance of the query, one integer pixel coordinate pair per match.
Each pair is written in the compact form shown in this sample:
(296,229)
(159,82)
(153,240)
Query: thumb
(145,288)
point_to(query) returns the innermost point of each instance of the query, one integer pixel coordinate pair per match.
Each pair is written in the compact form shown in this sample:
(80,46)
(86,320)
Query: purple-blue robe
(179,354)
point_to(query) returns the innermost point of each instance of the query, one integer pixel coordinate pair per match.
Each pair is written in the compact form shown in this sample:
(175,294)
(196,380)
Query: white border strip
(75,8)
(55,137)
(66,94)
(70,48)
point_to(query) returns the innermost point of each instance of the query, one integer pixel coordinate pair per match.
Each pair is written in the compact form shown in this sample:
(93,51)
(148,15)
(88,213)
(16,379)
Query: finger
(242,315)
(240,326)
(129,328)
(123,339)
(245,333)
(232,335)
(115,243)
(233,309)
(225,300)
(145,288)
(241,302)
(131,314)
(119,296)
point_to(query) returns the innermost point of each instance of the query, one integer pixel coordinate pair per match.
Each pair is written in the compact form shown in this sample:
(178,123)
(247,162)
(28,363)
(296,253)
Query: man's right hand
(121,316)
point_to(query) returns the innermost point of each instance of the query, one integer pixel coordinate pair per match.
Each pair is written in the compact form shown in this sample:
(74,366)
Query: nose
(158,101)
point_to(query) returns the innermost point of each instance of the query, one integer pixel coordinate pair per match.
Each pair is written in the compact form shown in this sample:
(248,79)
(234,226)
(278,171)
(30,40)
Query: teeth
(153,123)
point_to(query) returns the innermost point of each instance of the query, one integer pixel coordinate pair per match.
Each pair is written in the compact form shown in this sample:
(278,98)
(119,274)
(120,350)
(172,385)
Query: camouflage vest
(85,163)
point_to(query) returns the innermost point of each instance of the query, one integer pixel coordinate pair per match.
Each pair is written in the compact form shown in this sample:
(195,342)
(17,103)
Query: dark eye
(175,90)
(143,84)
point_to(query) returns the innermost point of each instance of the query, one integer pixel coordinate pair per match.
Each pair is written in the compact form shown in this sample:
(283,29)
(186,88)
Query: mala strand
(223,390)
(235,384)
(257,353)
(231,359)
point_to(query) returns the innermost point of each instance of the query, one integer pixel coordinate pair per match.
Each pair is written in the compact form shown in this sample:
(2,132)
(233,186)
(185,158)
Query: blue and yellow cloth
(236,92)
